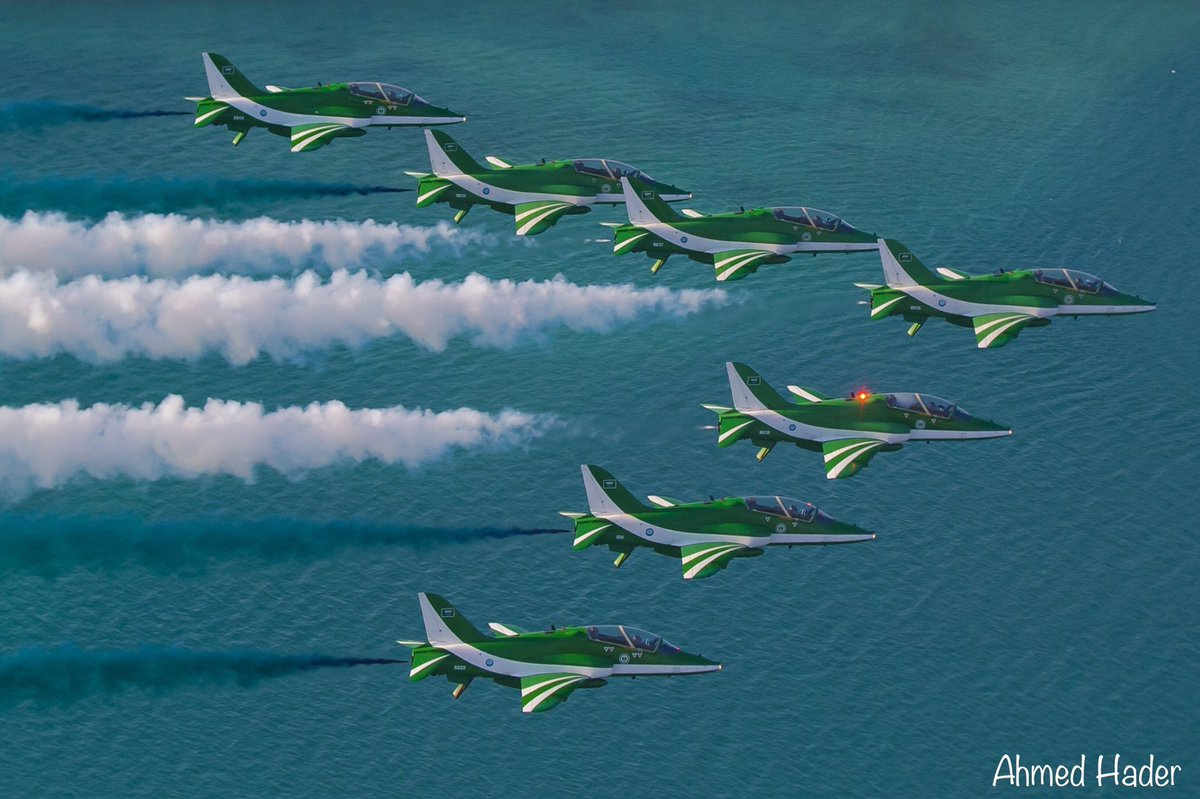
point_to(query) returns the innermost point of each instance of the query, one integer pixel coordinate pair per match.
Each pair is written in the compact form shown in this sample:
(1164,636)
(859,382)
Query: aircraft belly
(497,194)
(952,435)
(834,246)
(816,538)
(950,305)
(689,241)
(655,534)
(636,669)
(276,117)
(807,432)
(1084,310)
(508,667)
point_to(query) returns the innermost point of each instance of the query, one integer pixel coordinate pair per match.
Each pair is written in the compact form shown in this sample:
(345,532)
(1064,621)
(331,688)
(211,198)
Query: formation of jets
(705,536)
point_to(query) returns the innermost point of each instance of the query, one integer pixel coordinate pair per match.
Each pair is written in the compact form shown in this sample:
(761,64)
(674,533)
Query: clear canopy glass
(813,217)
(783,507)
(382,91)
(1071,279)
(925,404)
(628,637)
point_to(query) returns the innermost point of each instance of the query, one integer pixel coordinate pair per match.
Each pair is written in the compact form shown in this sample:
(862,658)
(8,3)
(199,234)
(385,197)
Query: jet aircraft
(847,431)
(997,306)
(310,117)
(547,666)
(736,244)
(705,536)
(537,195)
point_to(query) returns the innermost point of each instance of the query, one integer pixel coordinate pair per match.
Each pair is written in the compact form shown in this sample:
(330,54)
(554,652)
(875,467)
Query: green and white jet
(547,666)
(997,306)
(537,195)
(310,117)
(704,536)
(736,244)
(847,431)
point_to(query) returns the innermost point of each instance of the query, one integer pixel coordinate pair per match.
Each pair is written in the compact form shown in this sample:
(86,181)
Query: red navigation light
(862,395)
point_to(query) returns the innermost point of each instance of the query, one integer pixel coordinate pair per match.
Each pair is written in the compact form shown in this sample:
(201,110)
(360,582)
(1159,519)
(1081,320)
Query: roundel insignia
(791,428)
(920,424)
(683,239)
(606,188)
(624,658)
(781,527)
(806,236)
(262,113)
(380,110)
(486,190)
(941,303)
(1070,298)
(489,662)
(650,531)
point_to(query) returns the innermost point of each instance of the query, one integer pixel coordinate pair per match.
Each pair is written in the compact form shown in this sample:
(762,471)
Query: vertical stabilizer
(750,392)
(447,158)
(644,205)
(901,268)
(606,495)
(225,81)
(443,623)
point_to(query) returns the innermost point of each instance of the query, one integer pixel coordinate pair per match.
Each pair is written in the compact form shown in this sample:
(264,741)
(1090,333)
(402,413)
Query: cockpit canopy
(383,91)
(794,509)
(630,638)
(610,170)
(812,217)
(1071,279)
(924,404)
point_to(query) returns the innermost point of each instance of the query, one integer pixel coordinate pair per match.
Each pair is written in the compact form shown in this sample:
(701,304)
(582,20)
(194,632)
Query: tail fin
(447,157)
(606,495)
(224,80)
(643,204)
(901,268)
(750,392)
(444,625)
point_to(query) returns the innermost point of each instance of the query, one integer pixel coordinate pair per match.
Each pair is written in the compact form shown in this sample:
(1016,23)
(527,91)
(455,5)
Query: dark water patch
(34,114)
(95,196)
(65,674)
(49,546)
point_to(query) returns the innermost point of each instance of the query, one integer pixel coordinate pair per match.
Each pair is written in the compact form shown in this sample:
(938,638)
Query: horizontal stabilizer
(716,408)
(571,514)
(867,286)
(507,630)
(662,502)
(195,99)
(275,89)
(497,162)
(611,224)
(412,174)
(950,274)
(688,212)
(411,644)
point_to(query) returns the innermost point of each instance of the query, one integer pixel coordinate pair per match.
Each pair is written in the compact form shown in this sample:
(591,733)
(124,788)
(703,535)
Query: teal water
(1032,595)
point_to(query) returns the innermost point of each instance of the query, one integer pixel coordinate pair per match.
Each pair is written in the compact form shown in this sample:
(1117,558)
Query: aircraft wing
(844,457)
(737,264)
(705,560)
(996,329)
(306,138)
(533,217)
(542,692)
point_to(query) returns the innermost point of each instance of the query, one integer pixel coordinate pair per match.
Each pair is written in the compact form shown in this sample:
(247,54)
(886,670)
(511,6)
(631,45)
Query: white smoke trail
(105,320)
(167,245)
(44,445)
